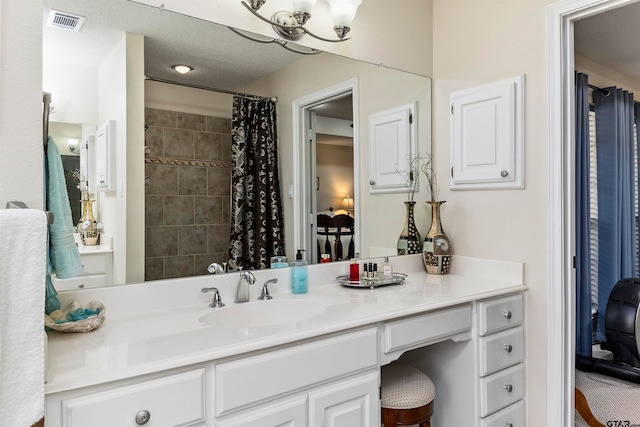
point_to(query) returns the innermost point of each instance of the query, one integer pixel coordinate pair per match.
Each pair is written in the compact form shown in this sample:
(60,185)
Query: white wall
(21,142)
(480,42)
(603,76)
(165,96)
(121,95)
(74,91)
(396,34)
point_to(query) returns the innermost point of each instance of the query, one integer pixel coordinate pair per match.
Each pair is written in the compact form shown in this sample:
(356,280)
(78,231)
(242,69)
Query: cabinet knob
(142,417)
(508,348)
(507,314)
(504,173)
(508,424)
(372,182)
(508,387)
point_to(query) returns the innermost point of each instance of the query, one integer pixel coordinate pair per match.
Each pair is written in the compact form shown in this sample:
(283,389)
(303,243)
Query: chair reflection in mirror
(336,226)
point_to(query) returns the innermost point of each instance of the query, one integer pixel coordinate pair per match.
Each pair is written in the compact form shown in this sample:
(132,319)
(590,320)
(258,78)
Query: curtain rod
(230,92)
(606,92)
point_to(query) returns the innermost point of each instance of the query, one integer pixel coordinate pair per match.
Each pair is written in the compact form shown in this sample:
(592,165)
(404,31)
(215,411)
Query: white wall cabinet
(487,136)
(392,135)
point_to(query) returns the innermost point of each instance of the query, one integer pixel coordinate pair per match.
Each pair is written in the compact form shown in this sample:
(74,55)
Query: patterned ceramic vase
(409,240)
(436,251)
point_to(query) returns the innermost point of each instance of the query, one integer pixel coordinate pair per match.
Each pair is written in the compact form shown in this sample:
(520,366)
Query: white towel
(23,249)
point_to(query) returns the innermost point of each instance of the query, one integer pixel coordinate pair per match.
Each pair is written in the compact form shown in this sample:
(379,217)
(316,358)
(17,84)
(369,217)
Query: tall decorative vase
(436,251)
(87,226)
(409,240)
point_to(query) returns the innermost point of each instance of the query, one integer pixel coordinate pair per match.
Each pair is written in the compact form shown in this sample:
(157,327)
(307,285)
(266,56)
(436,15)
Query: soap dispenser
(299,274)
(279,260)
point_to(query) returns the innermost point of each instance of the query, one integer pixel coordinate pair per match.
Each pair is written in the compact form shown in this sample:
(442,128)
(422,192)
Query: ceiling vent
(65,20)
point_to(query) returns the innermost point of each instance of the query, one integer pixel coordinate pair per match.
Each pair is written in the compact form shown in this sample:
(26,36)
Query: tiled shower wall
(187,201)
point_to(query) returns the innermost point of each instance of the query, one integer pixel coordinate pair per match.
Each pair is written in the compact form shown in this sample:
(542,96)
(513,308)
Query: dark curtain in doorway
(256,207)
(616,193)
(583,250)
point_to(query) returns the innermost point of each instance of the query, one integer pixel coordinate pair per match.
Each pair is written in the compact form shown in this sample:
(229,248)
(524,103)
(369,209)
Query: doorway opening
(325,138)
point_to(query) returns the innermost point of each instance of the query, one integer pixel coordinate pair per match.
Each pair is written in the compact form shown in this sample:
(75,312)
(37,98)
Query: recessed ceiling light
(182,69)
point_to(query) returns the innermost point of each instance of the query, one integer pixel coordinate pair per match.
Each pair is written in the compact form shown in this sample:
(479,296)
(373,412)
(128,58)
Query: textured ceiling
(220,58)
(611,39)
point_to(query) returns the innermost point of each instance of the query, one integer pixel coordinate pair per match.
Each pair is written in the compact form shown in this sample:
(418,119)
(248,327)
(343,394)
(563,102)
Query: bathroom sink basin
(263,313)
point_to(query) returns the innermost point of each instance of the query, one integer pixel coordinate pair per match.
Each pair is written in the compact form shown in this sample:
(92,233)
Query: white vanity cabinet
(97,267)
(336,378)
(501,356)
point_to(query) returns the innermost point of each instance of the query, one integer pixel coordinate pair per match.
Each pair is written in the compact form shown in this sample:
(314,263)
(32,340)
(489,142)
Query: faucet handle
(215,268)
(217,301)
(265,290)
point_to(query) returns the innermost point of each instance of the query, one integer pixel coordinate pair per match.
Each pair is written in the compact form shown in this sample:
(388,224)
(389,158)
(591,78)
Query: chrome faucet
(215,268)
(242,293)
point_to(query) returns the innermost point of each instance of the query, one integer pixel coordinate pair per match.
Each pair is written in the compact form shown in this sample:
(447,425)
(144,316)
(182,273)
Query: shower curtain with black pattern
(257,227)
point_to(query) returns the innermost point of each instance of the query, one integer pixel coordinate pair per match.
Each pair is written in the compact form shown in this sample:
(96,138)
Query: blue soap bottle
(299,275)
(279,260)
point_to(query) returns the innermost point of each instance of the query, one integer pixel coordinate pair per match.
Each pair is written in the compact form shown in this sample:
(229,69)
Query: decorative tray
(394,279)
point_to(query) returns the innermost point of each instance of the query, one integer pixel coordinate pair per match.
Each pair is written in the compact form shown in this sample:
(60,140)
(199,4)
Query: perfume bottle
(354,270)
(387,268)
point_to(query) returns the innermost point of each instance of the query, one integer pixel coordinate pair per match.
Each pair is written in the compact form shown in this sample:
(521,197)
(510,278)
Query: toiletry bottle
(365,273)
(376,274)
(387,268)
(370,274)
(354,270)
(299,275)
(279,260)
(325,258)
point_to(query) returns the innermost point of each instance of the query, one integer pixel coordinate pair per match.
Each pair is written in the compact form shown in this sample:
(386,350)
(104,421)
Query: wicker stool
(407,396)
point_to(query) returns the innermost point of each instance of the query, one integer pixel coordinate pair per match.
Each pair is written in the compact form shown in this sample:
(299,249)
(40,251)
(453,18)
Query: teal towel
(64,256)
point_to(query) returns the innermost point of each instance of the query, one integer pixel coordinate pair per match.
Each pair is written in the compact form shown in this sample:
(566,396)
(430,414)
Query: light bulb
(182,69)
(343,11)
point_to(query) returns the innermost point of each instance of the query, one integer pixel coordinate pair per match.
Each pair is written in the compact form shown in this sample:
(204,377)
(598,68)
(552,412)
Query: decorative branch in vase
(409,241)
(436,250)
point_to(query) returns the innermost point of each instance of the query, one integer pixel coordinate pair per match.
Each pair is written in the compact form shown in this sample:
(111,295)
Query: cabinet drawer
(80,282)
(94,263)
(498,314)
(404,333)
(501,389)
(513,416)
(175,400)
(253,379)
(290,413)
(501,350)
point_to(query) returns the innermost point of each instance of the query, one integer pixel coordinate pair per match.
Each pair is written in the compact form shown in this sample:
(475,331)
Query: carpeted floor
(610,399)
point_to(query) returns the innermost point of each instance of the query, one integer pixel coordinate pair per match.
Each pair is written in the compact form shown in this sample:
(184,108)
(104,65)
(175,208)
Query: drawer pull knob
(508,387)
(508,424)
(372,182)
(142,417)
(508,348)
(507,314)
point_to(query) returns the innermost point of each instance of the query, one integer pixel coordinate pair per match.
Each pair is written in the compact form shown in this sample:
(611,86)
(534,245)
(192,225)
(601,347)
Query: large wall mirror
(168,213)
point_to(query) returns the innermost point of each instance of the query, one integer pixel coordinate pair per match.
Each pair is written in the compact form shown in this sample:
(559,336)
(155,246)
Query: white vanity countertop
(146,333)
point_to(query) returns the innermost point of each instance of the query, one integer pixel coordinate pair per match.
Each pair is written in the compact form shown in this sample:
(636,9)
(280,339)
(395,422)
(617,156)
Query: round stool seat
(405,387)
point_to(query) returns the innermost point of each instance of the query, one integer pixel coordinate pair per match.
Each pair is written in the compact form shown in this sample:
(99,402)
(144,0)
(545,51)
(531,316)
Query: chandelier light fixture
(290,25)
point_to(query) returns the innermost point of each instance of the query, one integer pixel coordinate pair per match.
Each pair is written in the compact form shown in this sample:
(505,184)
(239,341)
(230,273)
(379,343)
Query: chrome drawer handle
(508,387)
(507,314)
(508,424)
(508,348)
(142,417)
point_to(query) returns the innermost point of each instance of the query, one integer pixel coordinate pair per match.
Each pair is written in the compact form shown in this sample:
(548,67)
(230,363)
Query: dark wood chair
(407,396)
(337,226)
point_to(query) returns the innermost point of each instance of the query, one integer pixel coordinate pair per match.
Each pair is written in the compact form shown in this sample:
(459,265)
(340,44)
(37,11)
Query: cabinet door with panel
(352,402)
